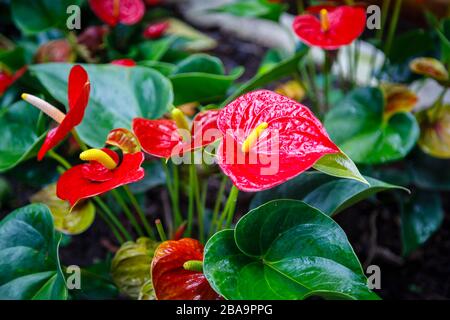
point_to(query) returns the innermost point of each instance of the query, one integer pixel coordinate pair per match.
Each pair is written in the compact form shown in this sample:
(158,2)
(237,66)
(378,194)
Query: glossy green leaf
(39,15)
(201,78)
(357,125)
(96,283)
(329,194)
(118,94)
(154,50)
(428,172)
(188,38)
(154,177)
(20,139)
(284,250)
(422,215)
(263,9)
(273,73)
(29,263)
(339,165)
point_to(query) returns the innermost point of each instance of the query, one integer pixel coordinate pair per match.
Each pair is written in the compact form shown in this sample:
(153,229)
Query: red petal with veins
(155,30)
(346,24)
(157,137)
(73,186)
(124,62)
(162,139)
(130,11)
(293,141)
(171,281)
(78,96)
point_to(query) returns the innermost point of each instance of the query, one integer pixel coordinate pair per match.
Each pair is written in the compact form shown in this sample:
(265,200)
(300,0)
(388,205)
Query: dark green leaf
(18,131)
(284,250)
(422,215)
(329,194)
(263,9)
(277,71)
(201,78)
(428,172)
(416,42)
(118,94)
(29,263)
(358,126)
(39,15)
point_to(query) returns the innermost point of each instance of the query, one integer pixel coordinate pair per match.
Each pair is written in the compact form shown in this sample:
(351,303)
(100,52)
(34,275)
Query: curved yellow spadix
(253,137)
(99,156)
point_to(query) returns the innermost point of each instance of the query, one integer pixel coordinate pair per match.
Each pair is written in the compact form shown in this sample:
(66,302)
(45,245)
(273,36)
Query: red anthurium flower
(7,78)
(163,139)
(334,29)
(103,173)
(78,97)
(155,30)
(177,271)
(113,12)
(124,62)
(268,139)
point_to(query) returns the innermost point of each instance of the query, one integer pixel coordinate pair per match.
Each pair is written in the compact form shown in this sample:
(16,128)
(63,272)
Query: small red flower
(162,138)
(78,97)
(113,12)
(124,62)
(334,29)
(155,30)
(7,78)
(174,274)
(103,173)
(269,139)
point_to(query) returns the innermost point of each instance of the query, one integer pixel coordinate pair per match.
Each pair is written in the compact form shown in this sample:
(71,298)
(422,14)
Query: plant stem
(80,142)
(217,204)
(326,85)
(140,212)
(231,210)
(300,7)
(351,71)
(312,77)
(127,212)
(379,35)
(52,154)
(231,202)
(112,217)
(111,227)
(393,26)
(173,196)
(198,201)
(191,199)
(159,227)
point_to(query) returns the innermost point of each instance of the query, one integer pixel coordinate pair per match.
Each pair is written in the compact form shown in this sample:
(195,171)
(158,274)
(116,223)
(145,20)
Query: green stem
(231,202)
(393,27)
(232,208)
(191,199)
(113,218)
(326,74)
(172,193)
(80,142)
(127,212)
(111,226)
(217,204)
(140,212)
(160,229)
(312,77)
(351,71)
(300,7)
(52,154)
(198,201)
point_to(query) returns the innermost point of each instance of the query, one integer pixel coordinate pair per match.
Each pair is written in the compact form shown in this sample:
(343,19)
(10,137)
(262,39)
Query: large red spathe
(171,281)
(91,179)
(292,142)
(78,97)
(346,24)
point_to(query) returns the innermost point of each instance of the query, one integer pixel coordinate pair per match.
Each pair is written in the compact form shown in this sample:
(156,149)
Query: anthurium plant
(213,182)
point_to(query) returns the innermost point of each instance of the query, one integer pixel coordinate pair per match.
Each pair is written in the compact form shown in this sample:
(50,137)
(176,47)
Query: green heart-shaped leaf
(29,263)
(422,215)
(201,78)
(39,15)
(329,194)
(263,9)
(20,139)
(357,125)
(118,95)
(284,250)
